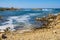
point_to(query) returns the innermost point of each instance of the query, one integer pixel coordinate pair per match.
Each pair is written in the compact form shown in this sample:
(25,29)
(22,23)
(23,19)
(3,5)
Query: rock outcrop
(50,21)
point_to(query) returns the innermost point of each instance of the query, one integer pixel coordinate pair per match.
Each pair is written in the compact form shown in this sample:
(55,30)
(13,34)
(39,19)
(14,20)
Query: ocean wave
(19,21)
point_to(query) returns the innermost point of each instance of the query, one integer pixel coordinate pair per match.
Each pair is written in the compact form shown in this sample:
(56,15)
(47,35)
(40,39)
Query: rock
(51,16)
(1,17)
(41,19)
(50,21)
(38,19)
(58,17)
(54,31)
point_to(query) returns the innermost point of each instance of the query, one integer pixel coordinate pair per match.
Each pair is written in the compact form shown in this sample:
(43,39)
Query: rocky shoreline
(50,21)
(50,30)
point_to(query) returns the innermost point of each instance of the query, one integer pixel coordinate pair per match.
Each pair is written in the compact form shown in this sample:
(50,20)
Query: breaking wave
(21,20)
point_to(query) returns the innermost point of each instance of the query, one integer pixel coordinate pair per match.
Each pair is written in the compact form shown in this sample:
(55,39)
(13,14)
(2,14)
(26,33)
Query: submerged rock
(1,17)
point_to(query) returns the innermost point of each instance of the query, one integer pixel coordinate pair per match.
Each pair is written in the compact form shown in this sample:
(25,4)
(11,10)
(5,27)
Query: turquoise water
(19,19)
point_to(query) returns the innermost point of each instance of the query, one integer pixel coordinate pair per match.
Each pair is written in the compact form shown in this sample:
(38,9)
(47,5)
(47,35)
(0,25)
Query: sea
(24,18)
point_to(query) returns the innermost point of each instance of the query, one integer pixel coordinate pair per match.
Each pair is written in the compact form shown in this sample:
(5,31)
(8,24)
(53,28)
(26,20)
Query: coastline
(48,32)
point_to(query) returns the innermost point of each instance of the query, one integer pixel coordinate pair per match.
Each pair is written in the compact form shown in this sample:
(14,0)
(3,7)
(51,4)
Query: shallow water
(20,19)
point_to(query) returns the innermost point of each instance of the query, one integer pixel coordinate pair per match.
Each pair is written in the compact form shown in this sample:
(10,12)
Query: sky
(30,3)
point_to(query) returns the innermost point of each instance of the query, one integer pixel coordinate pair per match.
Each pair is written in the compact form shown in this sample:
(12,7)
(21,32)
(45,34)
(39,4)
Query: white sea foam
(18,19)
(5,26)
(34,14)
